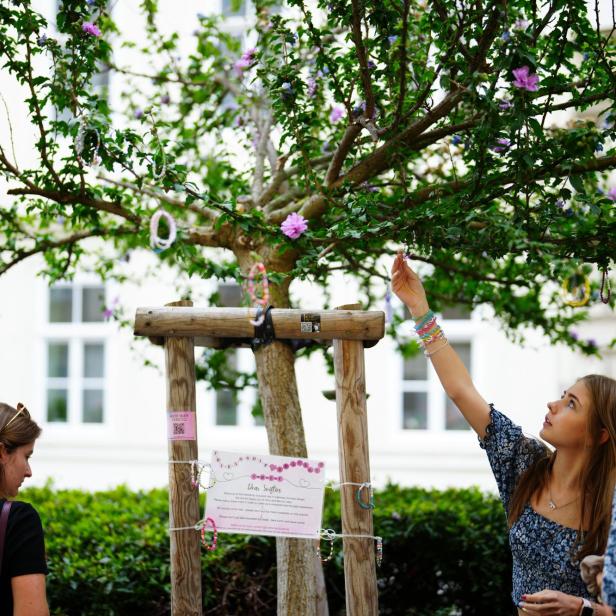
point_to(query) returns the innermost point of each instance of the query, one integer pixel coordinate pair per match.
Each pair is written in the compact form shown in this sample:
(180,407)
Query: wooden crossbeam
(210,323)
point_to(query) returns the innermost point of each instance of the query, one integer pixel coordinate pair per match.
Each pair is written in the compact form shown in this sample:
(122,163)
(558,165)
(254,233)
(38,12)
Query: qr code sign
(182,426)
(306,328)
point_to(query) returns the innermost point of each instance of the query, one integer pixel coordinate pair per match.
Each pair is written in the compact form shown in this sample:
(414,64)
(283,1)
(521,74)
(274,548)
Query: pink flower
(525,80)
(246,61)
(336,114)
(611,193)
(91,28)
(294,225)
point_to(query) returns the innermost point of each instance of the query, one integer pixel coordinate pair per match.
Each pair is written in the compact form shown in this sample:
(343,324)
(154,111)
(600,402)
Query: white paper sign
(266,495)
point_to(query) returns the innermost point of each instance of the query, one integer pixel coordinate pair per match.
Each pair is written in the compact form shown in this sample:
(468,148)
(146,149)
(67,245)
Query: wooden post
(359,554)
(185,550)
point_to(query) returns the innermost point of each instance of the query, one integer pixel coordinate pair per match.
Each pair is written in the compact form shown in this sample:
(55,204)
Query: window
(424,404)
(75,355)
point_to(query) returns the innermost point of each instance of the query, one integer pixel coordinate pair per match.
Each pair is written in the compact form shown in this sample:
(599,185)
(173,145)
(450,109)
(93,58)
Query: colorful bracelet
(428,329)
(424,319)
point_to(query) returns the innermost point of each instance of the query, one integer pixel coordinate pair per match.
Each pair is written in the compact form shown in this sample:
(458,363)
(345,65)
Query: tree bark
(301,585)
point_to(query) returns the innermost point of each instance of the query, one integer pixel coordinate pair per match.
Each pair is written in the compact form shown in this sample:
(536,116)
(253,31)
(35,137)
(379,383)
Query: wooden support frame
(182,327)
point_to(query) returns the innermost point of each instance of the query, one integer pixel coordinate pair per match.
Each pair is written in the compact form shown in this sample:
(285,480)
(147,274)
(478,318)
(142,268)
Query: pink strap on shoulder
(4,518)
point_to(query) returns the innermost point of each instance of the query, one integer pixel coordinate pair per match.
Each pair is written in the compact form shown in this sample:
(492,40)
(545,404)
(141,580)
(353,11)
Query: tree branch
(71,199)
(70,240)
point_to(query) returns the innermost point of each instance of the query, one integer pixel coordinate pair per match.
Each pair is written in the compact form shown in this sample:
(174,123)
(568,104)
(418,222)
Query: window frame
(457,331)
(76,334)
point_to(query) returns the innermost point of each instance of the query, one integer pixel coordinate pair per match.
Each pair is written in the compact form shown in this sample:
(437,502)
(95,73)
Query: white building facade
(100,395)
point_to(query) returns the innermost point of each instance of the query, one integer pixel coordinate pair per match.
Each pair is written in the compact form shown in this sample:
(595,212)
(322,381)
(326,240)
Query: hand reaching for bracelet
(406,284)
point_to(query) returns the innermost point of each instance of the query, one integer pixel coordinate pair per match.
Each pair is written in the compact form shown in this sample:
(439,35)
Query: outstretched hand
(406,284)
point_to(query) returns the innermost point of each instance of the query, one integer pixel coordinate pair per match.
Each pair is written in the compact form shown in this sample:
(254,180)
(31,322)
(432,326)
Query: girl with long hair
(557,501)
(22,563)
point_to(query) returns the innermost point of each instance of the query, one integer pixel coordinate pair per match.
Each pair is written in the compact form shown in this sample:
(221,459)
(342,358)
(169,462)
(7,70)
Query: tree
(383,124)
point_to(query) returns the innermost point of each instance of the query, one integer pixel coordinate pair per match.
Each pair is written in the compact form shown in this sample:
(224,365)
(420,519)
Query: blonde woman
(557,501)
(22,559)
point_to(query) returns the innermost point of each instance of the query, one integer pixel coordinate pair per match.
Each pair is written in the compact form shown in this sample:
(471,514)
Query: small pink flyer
(181,426)
(266,495)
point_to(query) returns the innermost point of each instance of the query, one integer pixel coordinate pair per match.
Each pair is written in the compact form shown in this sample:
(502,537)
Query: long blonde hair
(597,478)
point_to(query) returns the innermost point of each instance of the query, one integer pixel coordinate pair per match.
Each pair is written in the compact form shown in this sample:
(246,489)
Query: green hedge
(444,553)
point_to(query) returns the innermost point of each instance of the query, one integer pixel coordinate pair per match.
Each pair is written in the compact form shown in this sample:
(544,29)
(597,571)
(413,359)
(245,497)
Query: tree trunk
(301,584)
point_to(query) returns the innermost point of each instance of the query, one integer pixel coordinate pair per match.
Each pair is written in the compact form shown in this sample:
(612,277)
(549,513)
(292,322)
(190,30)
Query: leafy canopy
(475,136)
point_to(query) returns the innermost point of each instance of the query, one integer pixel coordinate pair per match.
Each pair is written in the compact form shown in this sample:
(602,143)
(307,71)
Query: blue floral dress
(609,566)
(541,548)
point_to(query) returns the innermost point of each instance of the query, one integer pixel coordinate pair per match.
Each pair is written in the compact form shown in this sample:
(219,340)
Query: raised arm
(451,371)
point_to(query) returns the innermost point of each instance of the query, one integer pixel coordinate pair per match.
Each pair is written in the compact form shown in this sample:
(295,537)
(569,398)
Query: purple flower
(611,193)
(599,147)
(286,87)
(525,80)
(585,55)
(91,28)
(246,60)
(239,66)
(521,24)
(574,335)
(312,87)
(506,36)
(90,2)
(560,203)
(456,139)
(392,39)
(503,145)
(369,187)
(249,54)
(294,225)
(592,343)
(165,99)
(371,65)
(138,113)
(504,105)
(326,147)
(41,40)
(336,114)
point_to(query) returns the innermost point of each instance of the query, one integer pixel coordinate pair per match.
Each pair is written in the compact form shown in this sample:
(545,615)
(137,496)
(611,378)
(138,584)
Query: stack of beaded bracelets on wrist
(429,331)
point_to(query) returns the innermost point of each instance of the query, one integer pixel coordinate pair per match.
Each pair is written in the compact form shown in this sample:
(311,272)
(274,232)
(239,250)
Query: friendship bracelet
(196,470)
(258,268)
(201,526)
(605,281)
(330,535)
(576,303)
(163,169)
(160,243)
(430,353)
(369,504)
(426,317)
(365,504)
(80,143)
(210,547)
